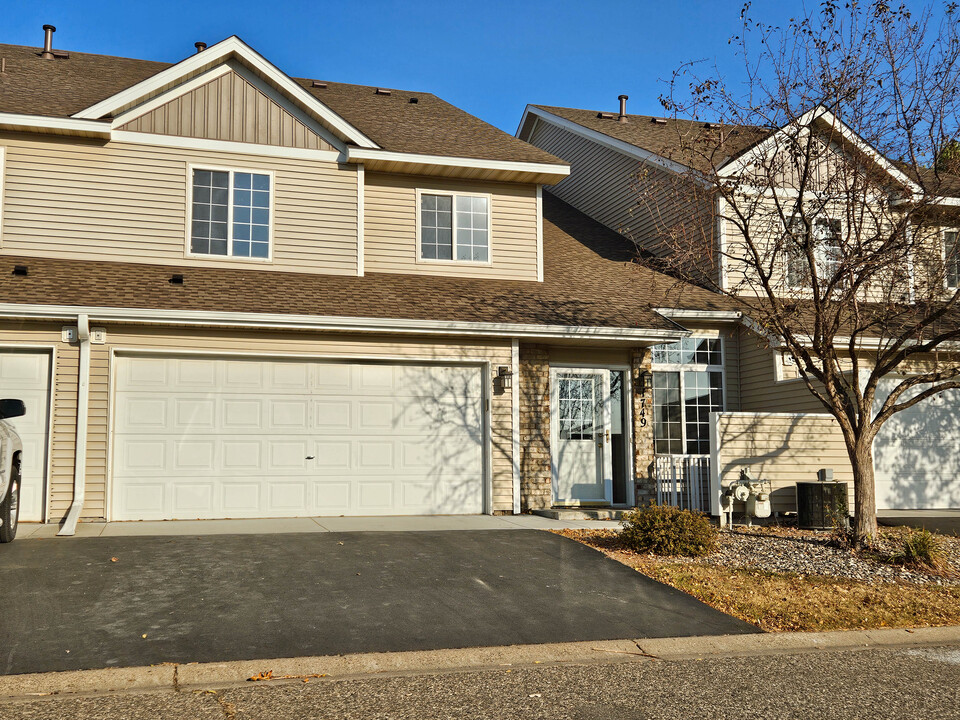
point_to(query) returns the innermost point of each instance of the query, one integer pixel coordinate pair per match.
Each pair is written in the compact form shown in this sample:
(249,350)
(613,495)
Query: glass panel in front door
(581,426)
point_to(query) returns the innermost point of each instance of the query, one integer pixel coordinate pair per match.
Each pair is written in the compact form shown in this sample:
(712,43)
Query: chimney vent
(623,108)
(48,31)
(200,46)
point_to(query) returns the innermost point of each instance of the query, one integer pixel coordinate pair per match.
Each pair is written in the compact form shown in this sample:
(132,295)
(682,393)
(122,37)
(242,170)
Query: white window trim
(188,252)
(943,254)
(681,368)
(818,253)
(453,194)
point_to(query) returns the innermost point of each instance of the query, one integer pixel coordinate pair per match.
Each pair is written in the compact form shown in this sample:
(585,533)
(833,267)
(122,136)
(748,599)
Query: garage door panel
(26,376)
(917,453)
(257,447)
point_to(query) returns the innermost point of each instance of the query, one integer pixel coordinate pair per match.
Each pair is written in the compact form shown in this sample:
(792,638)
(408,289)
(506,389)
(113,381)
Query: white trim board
(230,146)
(360,154)
(233,46)
(396,326)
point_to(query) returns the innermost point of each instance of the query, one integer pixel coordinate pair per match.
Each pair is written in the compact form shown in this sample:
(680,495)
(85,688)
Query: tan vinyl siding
(128,202)
(784,449)
(604,184)
(228,343)
(390,227)
(229,108)
(759,388)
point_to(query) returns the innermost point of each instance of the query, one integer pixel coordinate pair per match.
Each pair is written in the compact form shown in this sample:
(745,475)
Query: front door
(581,437)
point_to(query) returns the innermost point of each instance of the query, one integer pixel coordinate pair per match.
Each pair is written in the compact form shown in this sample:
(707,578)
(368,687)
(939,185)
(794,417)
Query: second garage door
(226,438)
(917,454)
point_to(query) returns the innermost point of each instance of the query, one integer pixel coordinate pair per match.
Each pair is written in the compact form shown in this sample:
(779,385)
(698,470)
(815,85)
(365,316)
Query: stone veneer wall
(643,457)
(535,479)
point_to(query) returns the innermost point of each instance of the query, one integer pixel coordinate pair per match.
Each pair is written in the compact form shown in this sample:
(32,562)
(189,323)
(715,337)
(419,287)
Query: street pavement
(902,683)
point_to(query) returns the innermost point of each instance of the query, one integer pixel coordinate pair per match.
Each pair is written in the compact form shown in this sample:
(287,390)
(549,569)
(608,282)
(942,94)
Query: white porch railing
(683,481)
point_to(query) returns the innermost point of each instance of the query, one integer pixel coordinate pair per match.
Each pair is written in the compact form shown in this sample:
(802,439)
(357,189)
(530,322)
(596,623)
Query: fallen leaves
(268,675)
(114,559)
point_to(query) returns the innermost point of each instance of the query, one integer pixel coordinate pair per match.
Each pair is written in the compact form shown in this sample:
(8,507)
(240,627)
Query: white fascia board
(361,154)
(716,315)
(223,50)
(240,148)
(275,321)
(66,125)
(608,141)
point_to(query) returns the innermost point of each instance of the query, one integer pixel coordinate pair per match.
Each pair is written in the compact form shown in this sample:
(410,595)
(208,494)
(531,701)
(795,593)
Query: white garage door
(218,438)
(26,376)
(917,454)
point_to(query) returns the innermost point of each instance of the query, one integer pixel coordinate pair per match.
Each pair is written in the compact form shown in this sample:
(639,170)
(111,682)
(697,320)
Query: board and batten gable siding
(229,108)
(604,184)
(784,449)
(127,202)
(390,227)
(210,342)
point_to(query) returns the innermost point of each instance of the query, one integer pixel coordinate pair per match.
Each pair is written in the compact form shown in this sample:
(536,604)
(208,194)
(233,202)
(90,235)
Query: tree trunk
(864,492)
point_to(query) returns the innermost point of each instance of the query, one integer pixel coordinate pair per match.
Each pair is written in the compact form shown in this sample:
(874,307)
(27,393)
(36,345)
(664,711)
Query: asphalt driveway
(68,605)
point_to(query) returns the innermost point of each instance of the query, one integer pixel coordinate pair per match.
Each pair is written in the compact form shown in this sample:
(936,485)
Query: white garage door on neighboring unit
(26,376)
(917,454)
(226,438)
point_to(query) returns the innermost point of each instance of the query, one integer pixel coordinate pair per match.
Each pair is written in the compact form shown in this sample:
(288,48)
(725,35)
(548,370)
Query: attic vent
(176,279)
(658,121)
(381,91)
(200,46)
(319,84)
(20,270)
(605,116)
(414,101)
(712,126)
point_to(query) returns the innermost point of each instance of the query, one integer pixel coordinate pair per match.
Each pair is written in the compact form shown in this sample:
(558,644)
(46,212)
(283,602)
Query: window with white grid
(230,214)
(454,227)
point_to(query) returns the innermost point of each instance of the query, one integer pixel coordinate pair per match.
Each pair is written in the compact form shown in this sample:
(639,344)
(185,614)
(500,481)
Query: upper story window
(454,227)
(951,257)
(826,248)
(230,213)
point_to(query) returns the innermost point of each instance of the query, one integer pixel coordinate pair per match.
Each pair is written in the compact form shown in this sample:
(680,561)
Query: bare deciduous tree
(824,167)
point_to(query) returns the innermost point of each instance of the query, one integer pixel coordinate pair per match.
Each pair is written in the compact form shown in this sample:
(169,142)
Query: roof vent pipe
(48,31)
(200,46)
(623,108)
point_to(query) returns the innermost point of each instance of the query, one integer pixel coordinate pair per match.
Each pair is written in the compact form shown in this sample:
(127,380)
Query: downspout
(83,405)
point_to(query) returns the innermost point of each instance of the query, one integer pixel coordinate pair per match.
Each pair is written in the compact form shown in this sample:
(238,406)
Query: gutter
(83,412)
(281,321)
(715,315)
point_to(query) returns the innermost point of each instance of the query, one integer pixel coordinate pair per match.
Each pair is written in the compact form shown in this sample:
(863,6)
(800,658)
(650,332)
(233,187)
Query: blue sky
(490,58)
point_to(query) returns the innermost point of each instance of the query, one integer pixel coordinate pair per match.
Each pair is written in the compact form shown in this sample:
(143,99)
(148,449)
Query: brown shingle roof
(590,279)
(60,88)
(687,142)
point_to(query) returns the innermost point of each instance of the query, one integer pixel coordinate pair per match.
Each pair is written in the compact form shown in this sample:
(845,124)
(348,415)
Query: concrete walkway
(417,523)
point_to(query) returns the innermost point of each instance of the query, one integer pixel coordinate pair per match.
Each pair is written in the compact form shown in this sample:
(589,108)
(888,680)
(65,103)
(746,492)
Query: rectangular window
(230,214)
(826,249)
(454,227)
(950,252)
(687,387)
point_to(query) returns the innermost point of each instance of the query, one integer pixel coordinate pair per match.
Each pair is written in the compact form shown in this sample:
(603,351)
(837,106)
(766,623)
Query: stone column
(643,457)
(535,481)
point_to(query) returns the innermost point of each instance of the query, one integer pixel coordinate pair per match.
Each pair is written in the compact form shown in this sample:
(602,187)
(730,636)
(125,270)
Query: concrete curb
(190,676)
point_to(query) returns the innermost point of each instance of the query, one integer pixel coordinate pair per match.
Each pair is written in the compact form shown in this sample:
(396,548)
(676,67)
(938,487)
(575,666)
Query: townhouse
(226,292)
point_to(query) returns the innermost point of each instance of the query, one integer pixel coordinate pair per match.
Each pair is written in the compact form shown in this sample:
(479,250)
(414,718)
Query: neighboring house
(230,293)
(769,421)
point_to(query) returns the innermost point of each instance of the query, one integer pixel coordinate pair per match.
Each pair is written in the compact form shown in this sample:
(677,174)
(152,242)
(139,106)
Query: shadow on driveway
(241,597)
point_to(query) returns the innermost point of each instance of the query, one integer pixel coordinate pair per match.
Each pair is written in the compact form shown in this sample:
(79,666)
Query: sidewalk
(180,677)
(412,523)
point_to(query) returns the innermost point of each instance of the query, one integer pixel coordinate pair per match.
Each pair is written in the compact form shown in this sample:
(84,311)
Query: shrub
(920,549)
(666,530)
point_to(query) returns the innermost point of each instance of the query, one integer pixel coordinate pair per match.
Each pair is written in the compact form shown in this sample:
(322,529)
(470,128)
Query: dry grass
(788,602)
